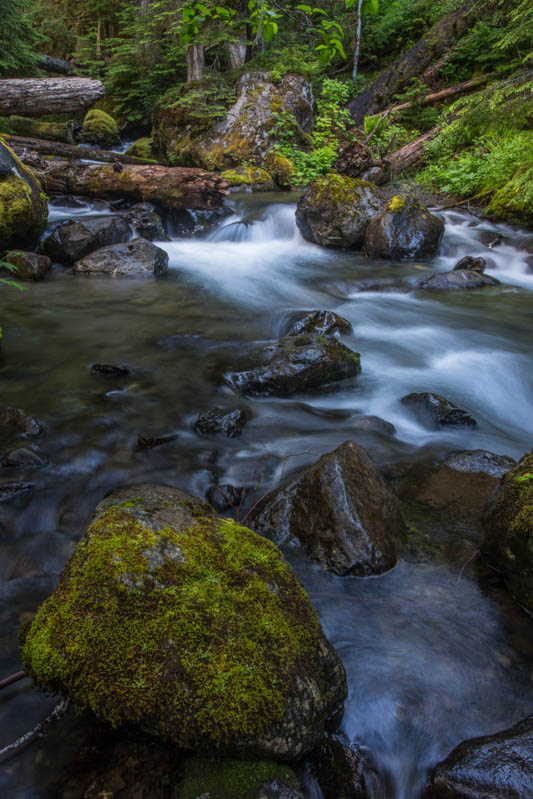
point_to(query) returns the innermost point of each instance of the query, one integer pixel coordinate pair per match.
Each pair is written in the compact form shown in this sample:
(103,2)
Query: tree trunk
(411,153)
(50,131)
(444,94)
(50,64)
(236,54)
(411,64)
(69,151)
(195,62)
(171,187)
(357,42)
(33,97)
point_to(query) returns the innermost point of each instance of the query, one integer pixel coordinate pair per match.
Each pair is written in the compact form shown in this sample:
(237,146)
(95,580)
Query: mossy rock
(249,177)
(189,625)
(281,169)
(403,229)
(236,779)
(335,210)
(100,128)
(23,206)
(514,202)
(141,148)
(39,129)
(508,546)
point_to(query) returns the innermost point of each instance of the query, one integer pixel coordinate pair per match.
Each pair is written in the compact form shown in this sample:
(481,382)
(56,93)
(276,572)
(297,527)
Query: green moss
(337,190)
(99,126)
(196,632)
(247,176)
(142,148)
(396,204)
(514,202)
(15,206)
(281,168)
(231,779)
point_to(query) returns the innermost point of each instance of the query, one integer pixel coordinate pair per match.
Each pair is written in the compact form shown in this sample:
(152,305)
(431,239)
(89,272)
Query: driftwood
(171,187)
(443,94)
(39,96)
(412,63)
(58,65)
(69,151)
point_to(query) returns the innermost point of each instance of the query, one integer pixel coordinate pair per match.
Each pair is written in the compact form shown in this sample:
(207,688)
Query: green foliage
(6,281)
(17,38)
(390,135)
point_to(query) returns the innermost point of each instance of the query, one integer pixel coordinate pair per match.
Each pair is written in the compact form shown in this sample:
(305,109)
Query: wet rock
(151,442)
(457,280)
(373,424)
(469,263)
(342,770)
(15,419)
(23,206)
(226,496)
(403,229)
(227,779)
(324,323)
(490,238)
(436,411)
(334,211)
(24,457)
(136,258)
(29,265)
(342,512)
(231,423)
(498,766)
(74,239)
(159,591)
(479,460)
(9,491)
(297,363)
(146,222)
(508,544)
(109,370)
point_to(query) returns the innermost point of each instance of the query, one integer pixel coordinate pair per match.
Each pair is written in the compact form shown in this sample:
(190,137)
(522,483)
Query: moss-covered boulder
(188,625)
(334,211)
(248,178)
(281,168)
(403,229)
(237,779)
(141,148)
(508,545)
(28,265)
(514,202)
(23,206)
(99,128)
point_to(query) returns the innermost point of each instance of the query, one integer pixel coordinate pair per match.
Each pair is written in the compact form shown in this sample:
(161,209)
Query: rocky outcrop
(228,779)
(189,626)
(29,265)
(23,207)
(324,323)
(334,211)
(436,411)
(297,363)
(74,239)
(342,512)
(136,258)
(508,545)
(403,229)
(498,766)
(231,423)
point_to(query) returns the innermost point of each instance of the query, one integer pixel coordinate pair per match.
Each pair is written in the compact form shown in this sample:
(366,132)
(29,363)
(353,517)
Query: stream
(433,655)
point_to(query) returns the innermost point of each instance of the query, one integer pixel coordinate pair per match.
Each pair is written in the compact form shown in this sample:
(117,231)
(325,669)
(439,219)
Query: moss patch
(142,148)
(100,127)
(247,176)
(514,202)
(231,779)
(396,204)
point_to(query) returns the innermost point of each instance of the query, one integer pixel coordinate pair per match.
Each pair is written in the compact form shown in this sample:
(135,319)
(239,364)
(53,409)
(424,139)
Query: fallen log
(443,94)
(438,39)
(70,151)
(170,187)
(35,129)
(411,153)
(39,96)
(58,65)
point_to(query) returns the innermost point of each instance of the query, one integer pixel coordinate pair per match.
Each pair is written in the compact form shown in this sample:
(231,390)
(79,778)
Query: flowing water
(433,656)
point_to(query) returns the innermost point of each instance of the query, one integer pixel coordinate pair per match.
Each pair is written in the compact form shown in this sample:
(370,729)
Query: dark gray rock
(437,411)
(74,239)
(323,323)
(16,420)
(403,229)
(9,491)
(479,460)
(343,771)
(145,222)
(146,441)
(29,265)
(373,424)
(226,496)
(342,512)
(109,370)
(136,258)
(498,766)
(457,280)
(469,263)
(231,423)
(24,457)
(297,363)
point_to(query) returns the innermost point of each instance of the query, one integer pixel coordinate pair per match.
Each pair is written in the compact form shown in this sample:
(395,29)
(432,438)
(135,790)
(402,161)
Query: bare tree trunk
(444,94)
(236,54)
(357,42)
(69,151)
(98,40)
(195,62)
(411,153)
(58,65)
(33,97)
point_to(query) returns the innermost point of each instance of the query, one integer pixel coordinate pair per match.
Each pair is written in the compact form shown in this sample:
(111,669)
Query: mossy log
(36,129)
(171,187)
(438,39)
(70,151)
(34,97)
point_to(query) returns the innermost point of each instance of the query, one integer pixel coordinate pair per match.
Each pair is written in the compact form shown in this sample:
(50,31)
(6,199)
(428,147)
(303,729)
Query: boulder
(480,461)
(436,411)
(373,424)
(189,626)
(24,457)
(99,128)
(74,239)
(281,168)
(498,766)
(23,206)
(456,280)
(29,265)
(342,770)
(469,263)
(248,178)
(508,544)
(145,222)
(231,423)
(15,420)
(334,210)
(403,229)
(136,258)
(324,323)
(342,512)
(237,779)
(297,363)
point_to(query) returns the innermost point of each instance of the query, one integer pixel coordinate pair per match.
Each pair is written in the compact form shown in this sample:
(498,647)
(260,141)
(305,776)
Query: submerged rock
(231,423)
(136,258)
(498,766)
(297,363)
(508,545)
(188,625)
(342,512)
(230,779)
(147,441)
(403,229)
(324,323)
(29,265)
(471,264)
(109,370)
(9,491)
(146,222)
(457,279)
(25,457)
(334,211)
(373,424)
(437,411)
(23,206)
(18,421)
(74,239)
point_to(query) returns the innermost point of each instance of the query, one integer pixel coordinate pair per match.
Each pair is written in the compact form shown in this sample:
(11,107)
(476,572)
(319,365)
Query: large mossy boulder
(188,625)
(23,206)
(99,128)
(514,201)
(403,229)
(192,127)
(508,545)
(334,211)
(342,512)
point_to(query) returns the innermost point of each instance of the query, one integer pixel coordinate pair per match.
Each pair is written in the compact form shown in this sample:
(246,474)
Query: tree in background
(17,38)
